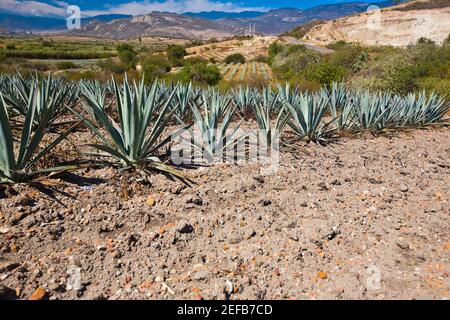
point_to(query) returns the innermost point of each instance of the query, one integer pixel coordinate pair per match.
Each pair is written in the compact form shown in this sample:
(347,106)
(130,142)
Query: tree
(274,49)
(325,73)
(127,56)
(201,72)
(175,52)
(155,66)
(235,58)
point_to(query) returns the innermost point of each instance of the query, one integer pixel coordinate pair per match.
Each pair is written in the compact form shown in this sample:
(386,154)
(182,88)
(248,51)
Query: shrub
(155,66)
(39,66)
(325,73)
(176,52)
(440,86)
(350,57)
(424,40)
(110,65)
(235,58)
(64,65)
(200,72)
(274,49)
(261,58)
(194,60)
(127,56)
(448,39)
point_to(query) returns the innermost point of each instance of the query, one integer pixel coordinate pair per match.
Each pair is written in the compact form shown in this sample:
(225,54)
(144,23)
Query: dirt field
(250,49)
(332,222)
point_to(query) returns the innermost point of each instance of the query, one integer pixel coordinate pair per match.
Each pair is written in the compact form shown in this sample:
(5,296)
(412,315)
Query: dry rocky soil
(361,218)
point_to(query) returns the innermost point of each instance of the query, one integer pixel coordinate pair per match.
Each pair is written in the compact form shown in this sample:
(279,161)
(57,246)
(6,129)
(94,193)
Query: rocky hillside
(188,26)
(281,20)
(160,24)
(398,26)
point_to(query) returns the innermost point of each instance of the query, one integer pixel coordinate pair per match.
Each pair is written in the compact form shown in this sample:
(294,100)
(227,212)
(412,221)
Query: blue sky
(89,7)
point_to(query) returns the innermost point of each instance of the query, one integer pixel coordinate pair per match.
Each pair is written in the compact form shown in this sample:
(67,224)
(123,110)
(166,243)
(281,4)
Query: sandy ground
(362,218)
(387,27)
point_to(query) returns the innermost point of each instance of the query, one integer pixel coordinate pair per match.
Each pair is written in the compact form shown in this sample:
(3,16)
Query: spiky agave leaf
(373,110)
(213,116)
(184,95)
(307,114)
(93,91)
(263,110)
(339,97)
(143,115)
(55,94)
(286,93)
(244,99)
(19,168)
(421,109)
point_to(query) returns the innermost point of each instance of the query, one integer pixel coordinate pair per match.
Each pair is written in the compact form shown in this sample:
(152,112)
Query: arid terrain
(250,48)
(330,223)
(395,26)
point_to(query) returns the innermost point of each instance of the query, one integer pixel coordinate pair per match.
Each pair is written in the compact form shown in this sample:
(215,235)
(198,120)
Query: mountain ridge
(219,24)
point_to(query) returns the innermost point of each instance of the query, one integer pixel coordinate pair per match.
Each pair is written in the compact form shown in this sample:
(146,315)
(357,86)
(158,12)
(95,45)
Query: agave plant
(421,109)
(94,91)
(55,94)
(272,98)
(136,140)
(373,111)
(184,95)
(263,110)
(339,97)
(288,94)
(19,167)
(213,116)
(307,113)
(244,99)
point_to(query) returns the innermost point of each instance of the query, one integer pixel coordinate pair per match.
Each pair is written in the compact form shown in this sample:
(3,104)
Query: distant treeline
(56,54)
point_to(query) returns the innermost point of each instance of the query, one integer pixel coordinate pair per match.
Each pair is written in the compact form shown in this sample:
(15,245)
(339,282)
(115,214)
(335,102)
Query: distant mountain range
(202,25)
(17,23)
(216,15)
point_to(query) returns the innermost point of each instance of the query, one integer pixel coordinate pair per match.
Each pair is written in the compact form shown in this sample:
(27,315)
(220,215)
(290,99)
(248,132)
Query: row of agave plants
(130,119)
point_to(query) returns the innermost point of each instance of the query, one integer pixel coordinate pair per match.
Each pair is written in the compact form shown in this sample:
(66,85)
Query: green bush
(235,58)
(351,57)
(438,85)
(155,67)
(127,56)
(176,53)
(325,73)
(447,41)
(111,66)
(274,49)
(201,72)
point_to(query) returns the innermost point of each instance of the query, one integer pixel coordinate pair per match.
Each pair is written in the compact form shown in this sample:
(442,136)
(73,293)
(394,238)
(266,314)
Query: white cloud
(133,7)
(33,8)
